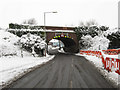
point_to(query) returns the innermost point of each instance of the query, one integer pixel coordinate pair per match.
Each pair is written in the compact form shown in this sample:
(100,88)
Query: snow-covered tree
(85,42)
(32,42)
(95,43)
(99,43)
(114,38)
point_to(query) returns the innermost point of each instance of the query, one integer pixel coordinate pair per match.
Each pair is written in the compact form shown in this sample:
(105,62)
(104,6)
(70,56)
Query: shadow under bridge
(69,44)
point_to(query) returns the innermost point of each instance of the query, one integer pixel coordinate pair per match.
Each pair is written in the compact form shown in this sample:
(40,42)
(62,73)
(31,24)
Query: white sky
(70,12)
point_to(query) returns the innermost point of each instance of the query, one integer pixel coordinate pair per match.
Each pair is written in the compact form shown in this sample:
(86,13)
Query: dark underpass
(69,45)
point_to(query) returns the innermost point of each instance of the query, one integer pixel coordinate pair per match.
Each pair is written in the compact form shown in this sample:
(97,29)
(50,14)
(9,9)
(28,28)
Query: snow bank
(112,56)
(11,68)
(7,43)
(12,65)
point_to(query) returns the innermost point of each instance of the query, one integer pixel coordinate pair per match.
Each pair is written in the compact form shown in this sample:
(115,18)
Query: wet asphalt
(64,71)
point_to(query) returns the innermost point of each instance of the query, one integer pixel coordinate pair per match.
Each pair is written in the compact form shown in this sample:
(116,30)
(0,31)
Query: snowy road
(64,71)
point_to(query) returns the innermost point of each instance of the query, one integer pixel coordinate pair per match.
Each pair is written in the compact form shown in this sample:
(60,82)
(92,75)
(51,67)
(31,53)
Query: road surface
(64,71)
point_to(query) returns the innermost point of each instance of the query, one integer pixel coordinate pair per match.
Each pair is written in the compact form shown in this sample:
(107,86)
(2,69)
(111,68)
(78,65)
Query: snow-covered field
(12,65)
(97,62)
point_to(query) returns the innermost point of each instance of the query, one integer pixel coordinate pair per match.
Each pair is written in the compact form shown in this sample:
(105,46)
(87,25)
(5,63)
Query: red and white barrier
(110,64)
(112,51)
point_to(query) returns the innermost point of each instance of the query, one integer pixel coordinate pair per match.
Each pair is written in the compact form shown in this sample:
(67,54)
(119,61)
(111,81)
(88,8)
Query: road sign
(62,35)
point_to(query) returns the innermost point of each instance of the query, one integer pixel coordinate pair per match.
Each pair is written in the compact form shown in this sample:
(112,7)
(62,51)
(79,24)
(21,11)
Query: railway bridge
(64,34)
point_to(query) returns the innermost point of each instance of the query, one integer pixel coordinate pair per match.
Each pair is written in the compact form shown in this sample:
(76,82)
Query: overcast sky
(70,12)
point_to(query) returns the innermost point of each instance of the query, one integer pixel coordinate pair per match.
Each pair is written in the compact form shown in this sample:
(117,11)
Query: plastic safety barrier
(112,51)
(110,64)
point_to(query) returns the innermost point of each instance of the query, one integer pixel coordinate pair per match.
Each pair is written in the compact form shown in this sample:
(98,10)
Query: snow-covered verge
(12,65)
(10,44)
(112,56)
(97,62)
(7,43)
(12,68)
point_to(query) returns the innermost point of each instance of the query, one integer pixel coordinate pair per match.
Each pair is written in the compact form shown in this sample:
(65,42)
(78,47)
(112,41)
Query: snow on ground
(7,43)
(12,65)
(110,76)
(112,56)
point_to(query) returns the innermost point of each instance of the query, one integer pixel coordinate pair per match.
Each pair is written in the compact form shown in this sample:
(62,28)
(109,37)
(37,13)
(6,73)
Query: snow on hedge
(12,65)
(33,43)
(110,31)
(96,43)
(100,42)
(9,43)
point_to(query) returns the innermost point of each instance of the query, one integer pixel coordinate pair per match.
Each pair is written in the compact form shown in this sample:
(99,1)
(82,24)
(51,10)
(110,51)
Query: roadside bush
(114,40)
(91,30)
(32,43)
(85,34)
(85,42)
(96,43)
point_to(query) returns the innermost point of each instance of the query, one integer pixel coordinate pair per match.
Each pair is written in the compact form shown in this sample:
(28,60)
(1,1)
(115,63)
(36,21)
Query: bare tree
(88,23)
(91,22)
(31,21)
(25,22)
(81,23)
